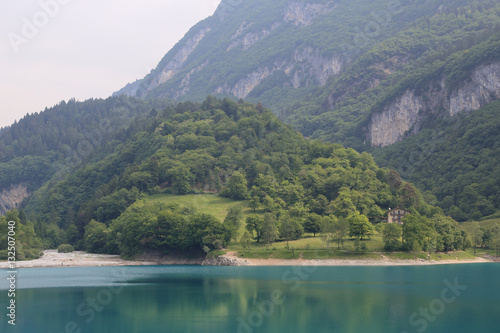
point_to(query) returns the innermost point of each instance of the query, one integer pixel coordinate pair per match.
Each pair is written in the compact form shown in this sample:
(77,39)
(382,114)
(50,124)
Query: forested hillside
(50,144)
(442,65)
(360,73)
(237,150)
(458,161)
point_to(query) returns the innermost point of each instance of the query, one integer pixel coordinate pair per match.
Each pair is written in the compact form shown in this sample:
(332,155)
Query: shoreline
(52,258)
(346,262)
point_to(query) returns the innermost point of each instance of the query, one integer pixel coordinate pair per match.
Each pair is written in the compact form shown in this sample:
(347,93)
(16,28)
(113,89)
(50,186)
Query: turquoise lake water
(184,299)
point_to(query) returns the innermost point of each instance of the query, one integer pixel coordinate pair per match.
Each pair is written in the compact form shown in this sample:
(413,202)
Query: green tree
(477,235)
(340,231)
(343,205)
(328,229)
(416,249)
(232,221)
(360,226)
(408,196)
(394,179)
(290,228)
(364,248)
(181,179)
(254,225)
(254,203)
(416,228)
(96,236)
(269,228)
(312,223)
(246,239)
(391,235)
(236,187)
(286,230)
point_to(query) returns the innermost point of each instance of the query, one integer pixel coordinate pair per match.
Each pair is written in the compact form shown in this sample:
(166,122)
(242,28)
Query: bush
(65,248)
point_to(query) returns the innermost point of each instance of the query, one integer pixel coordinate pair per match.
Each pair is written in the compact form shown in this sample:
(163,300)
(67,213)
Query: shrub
(65,248)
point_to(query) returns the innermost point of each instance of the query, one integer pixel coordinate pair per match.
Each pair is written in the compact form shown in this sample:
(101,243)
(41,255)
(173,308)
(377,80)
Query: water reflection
(255,299)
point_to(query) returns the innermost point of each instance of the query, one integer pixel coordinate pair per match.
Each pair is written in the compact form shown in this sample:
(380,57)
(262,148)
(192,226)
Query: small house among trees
(396,215)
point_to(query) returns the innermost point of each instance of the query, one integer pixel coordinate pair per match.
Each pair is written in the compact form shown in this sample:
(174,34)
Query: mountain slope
(238,150)
(458,161)
(48,145)
(343,71)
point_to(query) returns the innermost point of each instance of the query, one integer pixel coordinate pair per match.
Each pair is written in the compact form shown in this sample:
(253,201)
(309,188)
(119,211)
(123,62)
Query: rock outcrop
(12,197)
(221,261)
(304,14)
(483,89)
(306,67)
(251,38)
(405,115)
(390,126)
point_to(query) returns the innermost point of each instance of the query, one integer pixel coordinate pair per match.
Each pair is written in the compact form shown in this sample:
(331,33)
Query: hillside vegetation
(50,144)
(457,161)
(237,150)
(359,73)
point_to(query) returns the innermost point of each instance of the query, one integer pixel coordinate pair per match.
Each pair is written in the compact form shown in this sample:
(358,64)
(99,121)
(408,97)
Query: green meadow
(308,247)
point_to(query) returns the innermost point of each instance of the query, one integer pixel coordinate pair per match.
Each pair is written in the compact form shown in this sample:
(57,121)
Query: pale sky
(84,48)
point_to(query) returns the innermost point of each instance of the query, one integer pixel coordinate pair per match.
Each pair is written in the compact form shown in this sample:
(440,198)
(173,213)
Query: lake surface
(184,299)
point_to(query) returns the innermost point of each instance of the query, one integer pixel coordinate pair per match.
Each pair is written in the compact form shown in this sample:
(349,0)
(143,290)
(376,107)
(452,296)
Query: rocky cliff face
(178,74)
(304,14)
(306,67)
(251,38)
(405,115)
(176,64)
(483,88)
(12,197)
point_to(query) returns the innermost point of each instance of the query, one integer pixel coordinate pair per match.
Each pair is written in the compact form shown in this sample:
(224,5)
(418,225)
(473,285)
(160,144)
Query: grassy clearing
(310,248)
(283,253)
(205,203)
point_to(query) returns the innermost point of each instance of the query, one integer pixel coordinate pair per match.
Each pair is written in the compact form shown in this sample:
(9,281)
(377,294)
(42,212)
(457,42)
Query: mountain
(457,160)
(365,74)
(237,150)
(381,77)
(362,73)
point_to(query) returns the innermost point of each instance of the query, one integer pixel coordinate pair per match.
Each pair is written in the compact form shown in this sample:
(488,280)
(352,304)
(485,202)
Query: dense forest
(28,245)
(234,149)
(457,161)
(53,142)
